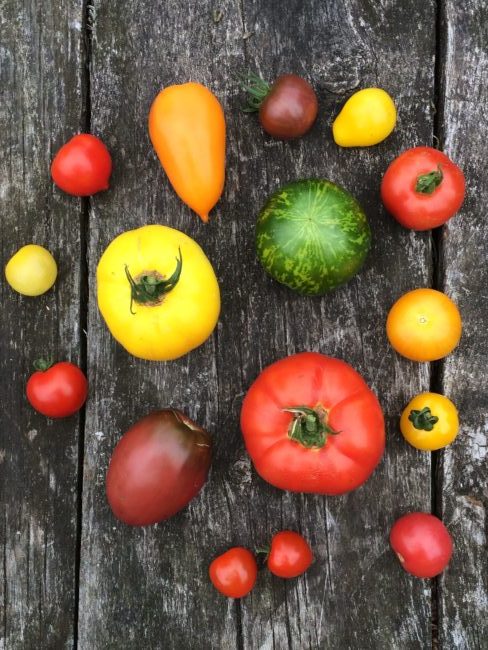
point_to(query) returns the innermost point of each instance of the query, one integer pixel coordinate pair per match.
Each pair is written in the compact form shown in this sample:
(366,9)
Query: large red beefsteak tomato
(311,424)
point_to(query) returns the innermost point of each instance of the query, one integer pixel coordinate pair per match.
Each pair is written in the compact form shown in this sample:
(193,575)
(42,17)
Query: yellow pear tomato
(31,271)
(157,292)
(367,118)
(429,422)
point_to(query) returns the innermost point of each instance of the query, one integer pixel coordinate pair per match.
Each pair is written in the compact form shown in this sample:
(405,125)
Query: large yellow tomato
(157,292)
(367,118)
(31,271)
(424,325)
(430,421)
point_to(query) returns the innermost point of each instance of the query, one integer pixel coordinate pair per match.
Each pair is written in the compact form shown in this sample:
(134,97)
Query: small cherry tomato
(31,271)
(429,422)
(424,325)
(422,544)
(289,555)
(82,166)
(234,572)
(287,108)
(367,118)
(422,188)
(58,390)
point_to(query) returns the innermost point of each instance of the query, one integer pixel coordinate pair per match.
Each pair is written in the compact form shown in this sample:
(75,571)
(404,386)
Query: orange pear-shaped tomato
(187,129)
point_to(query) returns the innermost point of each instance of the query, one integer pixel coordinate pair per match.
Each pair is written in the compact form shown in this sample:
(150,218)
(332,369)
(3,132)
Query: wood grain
(464,497)
(40,107)
(150,586)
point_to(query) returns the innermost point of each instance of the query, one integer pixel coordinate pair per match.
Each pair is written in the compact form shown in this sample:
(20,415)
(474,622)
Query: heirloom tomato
(58,390)
(82,166)
(31,271)
(429,422)
(234,572)
(290,554)
(311,424)
(157,292)
(422,188)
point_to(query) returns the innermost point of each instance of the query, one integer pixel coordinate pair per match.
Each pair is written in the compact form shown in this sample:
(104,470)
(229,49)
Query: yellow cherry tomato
(424,325)
(157,292)
(429,422)
(368,117)
(31,271)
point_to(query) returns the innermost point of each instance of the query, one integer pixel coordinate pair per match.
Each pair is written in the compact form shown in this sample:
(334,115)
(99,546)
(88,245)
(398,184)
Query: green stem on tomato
(423,420)
(309,426)
(258,90)
(149,288)
(428,183)
(43,364)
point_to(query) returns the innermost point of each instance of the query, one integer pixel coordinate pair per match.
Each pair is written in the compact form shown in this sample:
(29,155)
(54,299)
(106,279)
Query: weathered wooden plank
(40,107)
(355,596)
(150,586)
(464,497)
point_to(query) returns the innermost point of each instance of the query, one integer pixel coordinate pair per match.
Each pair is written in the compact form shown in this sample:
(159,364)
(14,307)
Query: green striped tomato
(312,236)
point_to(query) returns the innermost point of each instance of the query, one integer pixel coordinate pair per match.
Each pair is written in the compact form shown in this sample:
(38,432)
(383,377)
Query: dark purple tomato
(287,109)
(157,467)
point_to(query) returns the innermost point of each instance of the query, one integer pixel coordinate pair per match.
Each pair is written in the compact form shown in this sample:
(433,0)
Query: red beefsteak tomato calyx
(43,364)
(309,426)
(429,182)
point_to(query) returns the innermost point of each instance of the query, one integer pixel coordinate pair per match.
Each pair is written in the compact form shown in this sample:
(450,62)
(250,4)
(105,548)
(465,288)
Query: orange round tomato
(187,129)
(424,325)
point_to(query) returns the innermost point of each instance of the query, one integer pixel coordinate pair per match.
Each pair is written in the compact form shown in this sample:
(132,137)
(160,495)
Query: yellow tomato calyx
(150,287)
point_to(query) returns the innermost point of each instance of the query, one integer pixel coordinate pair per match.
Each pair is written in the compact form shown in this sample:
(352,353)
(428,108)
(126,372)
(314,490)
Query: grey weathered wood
(149,587)
(40,107)
(464,496)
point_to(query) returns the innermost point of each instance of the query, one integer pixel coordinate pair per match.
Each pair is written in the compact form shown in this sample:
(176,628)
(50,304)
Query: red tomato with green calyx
(234,572)
(58,390)
(422,544)
(158,466)
(311,424)
(289,555)
(422,188)
(82,166)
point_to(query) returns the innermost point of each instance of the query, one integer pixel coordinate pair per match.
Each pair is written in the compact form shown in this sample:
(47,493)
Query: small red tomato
(422,544)
(289,555)
(58,390)
(287,109)
(82,166)
(422,188)
(234,572)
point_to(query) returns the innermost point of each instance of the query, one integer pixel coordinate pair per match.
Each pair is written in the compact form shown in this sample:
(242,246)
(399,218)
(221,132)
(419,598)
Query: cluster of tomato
(310,422)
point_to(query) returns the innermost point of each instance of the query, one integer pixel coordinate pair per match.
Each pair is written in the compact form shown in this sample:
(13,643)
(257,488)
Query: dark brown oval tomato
(82,166)
(311,424)
(289,555)
(157,467)
(422,188)
(422,544)
(58,390)
(287,109)
(234,572)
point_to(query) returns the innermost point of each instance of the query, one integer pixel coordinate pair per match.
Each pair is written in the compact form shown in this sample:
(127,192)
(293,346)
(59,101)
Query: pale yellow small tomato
(31,271)
(429,422)
(367,118)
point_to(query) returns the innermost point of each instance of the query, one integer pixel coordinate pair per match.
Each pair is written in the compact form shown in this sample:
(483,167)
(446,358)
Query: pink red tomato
(58,390)
(422,188)
(422,544)
(289,555)
(234,572)
(82,166)
(311,424)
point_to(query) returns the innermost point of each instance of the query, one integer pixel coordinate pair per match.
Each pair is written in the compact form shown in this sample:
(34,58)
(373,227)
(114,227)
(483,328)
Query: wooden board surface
(40,107)
(464,476)
(148,587)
